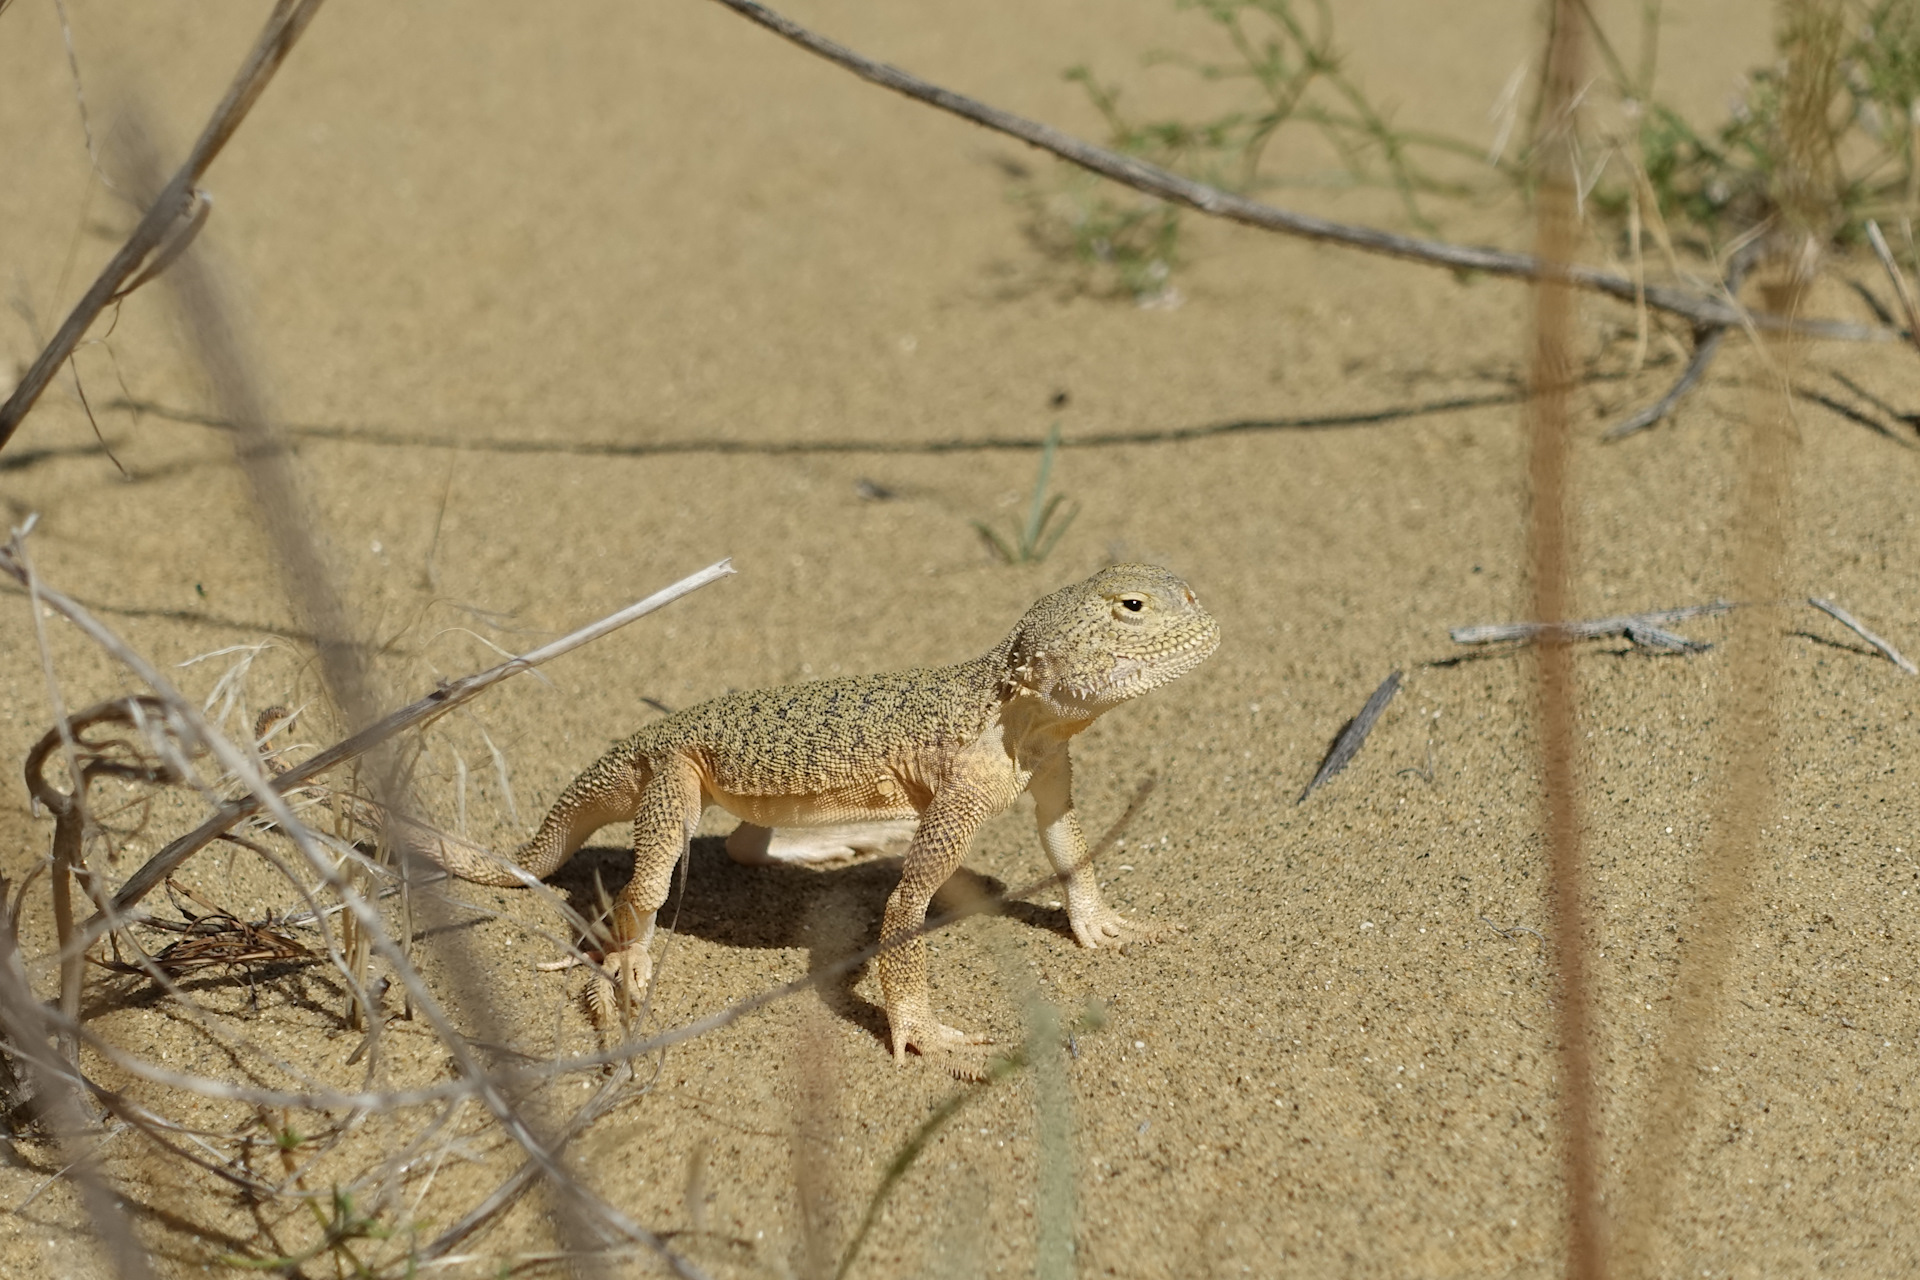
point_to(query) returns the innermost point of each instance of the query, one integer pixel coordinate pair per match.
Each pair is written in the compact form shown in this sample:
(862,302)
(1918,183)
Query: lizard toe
(961,1054)
(632,967)
(1111,929)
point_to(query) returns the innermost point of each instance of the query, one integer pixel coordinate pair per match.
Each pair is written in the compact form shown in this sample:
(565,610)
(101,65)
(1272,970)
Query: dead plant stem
(284,27)
(1155,181)
(1550,542)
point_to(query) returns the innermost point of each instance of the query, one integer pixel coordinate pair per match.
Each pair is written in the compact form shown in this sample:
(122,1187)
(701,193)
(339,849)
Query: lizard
(943,747)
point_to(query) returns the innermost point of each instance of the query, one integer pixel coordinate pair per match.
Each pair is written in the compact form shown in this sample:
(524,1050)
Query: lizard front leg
(669,810)
(939,847)
(1095,924)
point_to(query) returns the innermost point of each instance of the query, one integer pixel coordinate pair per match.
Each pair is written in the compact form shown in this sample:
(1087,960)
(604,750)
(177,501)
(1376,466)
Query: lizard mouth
(1133,674)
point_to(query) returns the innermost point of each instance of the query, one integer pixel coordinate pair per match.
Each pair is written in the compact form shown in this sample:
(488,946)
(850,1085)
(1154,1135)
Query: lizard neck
(1034,724)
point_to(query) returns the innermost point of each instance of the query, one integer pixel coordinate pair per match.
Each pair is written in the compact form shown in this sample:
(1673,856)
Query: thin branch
(435,704)
(1159,182)
(1647,630)
(1901,288)
(1706,345)
(1347,744)
(1852,623)
(30,1026)
(284,27)
(478,1082)
(516,1184)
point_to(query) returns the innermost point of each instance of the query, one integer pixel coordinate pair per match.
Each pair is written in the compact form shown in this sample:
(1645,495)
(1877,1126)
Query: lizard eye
(1132,604)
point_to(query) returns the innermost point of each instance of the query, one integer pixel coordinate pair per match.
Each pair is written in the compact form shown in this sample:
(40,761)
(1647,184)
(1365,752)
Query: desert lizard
(945,747)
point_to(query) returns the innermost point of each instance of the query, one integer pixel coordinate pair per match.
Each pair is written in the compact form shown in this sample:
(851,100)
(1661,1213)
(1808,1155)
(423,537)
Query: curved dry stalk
(30,1027)
(474,1077)
(178,200)
(1155,181)
(449,695)
(1706,345)
(87,760)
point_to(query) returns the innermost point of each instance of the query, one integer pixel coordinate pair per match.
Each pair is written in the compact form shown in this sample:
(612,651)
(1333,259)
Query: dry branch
(1347,742)
(442,700)
(475,1080)
(1706,345)
(1155,181)
(1648,630)
(1901,288)
(1852,623)
(177,200)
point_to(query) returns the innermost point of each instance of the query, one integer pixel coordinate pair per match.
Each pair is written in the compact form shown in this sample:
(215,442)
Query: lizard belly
(876,801)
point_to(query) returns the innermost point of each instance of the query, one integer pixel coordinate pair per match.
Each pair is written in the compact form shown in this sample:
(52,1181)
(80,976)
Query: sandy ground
(565,302)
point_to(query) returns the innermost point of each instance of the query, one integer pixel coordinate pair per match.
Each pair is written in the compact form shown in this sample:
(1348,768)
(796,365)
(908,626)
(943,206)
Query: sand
(562,303)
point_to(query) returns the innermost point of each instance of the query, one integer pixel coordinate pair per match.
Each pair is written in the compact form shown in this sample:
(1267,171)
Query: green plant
(1823,139)
(1298,78)
(1035,540)
(338,1230)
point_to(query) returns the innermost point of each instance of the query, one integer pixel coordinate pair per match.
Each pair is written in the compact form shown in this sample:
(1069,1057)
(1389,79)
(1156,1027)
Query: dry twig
(179,200)
(1901,289)
(1353,734)
(1155,181)
(1852,623)
(90,759)
(1706,345)
(1648,630)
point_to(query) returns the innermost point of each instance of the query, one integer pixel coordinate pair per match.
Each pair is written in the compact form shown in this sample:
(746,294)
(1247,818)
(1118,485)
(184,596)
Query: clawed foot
(632,968)
(961,1054)
(1108,928)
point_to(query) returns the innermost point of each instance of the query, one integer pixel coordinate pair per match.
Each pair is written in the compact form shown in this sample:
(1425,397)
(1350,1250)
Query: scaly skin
(948,746)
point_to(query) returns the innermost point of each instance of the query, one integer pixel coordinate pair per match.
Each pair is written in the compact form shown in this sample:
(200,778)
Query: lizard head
(1093,645)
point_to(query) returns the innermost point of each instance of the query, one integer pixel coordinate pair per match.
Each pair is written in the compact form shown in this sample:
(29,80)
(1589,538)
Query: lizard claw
(632,965)
(959,1053)
(1108,928)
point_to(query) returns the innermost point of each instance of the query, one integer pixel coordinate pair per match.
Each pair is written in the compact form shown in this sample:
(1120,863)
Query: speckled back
(829,733)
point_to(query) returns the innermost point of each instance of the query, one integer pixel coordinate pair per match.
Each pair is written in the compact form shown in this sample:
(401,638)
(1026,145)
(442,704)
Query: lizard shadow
(829,911)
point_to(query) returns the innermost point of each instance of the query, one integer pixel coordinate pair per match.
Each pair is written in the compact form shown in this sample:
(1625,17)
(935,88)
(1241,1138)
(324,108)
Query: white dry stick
(1901,289)
(1648,630)
(449,695)
(1852,623)
(483,1084)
